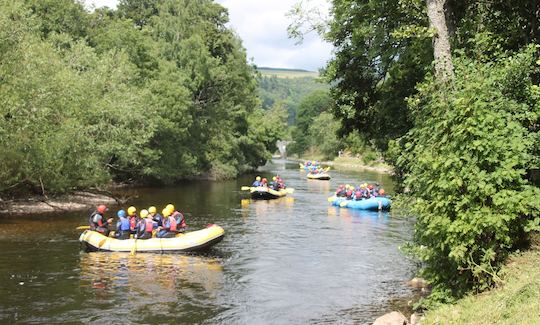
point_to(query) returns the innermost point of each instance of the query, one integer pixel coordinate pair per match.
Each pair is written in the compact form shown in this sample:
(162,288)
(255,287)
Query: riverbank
(352,163)
(76,201)
(515,301)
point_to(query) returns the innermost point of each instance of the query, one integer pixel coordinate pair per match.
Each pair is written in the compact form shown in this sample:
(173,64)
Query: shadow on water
(293,260)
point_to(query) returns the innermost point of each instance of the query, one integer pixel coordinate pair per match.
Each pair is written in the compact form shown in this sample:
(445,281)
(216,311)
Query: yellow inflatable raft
(320,176)
(186,242)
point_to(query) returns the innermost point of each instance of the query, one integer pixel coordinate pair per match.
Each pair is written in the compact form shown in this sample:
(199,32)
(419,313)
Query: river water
(294,260)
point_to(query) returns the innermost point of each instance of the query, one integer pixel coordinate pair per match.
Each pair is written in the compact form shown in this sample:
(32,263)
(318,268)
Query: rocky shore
(75,201)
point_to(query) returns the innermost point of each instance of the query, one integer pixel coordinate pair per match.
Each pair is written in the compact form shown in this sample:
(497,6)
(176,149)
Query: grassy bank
(515,301)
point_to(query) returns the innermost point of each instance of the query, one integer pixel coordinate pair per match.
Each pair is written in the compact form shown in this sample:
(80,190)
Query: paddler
(122,226)
(257,182)
(133,219)
(145,225)
(158,218)
(97,220)
(168,224)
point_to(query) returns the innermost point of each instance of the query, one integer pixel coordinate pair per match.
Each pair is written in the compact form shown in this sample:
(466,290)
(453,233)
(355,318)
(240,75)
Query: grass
(288,73)
(515,302)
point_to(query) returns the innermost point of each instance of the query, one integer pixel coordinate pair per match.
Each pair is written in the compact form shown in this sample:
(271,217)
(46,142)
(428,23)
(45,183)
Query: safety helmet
(101,208)
(274,178)
(132,210)
(264,180)
(144,213)
(381,191)
(165,212)
(370,186)
(258,178)
(170,207)
(152,209)
(121,214)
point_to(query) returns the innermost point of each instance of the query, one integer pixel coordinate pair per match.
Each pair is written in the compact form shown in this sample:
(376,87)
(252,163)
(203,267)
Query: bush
(466,161)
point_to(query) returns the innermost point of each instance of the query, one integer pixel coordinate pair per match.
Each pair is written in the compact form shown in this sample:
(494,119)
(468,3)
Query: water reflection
(156,274)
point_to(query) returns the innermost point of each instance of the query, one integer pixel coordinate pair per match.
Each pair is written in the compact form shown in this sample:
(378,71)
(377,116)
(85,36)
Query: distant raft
(373,204)
(193,241)
(266,193)
(320,176)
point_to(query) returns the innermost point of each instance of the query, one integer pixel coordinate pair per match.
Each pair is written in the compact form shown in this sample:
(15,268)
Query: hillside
(287,73)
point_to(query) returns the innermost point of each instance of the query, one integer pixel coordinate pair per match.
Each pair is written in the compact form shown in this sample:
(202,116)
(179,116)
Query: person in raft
(264,182)
(158,218)
(98,222)
(257,182)
(180,220)
(123,230)
(168,230)
(133,219)
(145,225)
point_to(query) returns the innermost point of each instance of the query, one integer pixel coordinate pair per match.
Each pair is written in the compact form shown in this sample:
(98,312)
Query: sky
(262,26)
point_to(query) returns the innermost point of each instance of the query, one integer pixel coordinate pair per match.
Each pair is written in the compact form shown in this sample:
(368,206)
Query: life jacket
(173,225)
(149,225)
(358,195)
(124,224)
(349,193)
(132,222)
(94,225)
(158,219)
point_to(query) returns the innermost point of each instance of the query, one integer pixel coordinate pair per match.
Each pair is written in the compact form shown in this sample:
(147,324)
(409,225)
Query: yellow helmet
(152,209)
(170,207)
(258,178)
(143,213)
(132,210)
(165,212)
(274,178)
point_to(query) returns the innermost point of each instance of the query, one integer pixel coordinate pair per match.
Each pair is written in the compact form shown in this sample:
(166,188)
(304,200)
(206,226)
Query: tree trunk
(441,41)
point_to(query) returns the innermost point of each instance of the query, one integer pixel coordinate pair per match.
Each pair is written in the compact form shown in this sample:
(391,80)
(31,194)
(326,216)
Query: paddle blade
(343,204)
(331,199)
(289,190)
(245,188)
(83,227)
(327,169)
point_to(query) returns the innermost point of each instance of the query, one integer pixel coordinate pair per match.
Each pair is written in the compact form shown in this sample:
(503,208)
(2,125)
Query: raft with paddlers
(266,193)
(319,174)
(373,203)
(183,242)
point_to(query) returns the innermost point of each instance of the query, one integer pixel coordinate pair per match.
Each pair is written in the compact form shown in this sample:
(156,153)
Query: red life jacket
(132,222)
(349,193)
(149,225)
(172,223)
(358,195)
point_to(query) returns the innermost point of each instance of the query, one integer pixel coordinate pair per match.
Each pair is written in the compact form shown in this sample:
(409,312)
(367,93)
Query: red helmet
(370,186)
(264,180)
(101,208)
(381,191)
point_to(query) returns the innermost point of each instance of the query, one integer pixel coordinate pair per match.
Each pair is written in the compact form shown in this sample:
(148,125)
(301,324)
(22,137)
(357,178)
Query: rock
(393,318)
(418,283)
(415,319)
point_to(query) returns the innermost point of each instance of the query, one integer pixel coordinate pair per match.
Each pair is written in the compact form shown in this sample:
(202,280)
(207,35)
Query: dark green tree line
(155,91)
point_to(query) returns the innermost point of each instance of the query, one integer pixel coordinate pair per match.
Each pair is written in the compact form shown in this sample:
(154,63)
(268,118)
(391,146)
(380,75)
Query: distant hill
(287,73)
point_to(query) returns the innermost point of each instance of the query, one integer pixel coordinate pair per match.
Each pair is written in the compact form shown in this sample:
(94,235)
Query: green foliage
(310,107)
(380,56)
(90,97)
(322,135)
(465,161)
(287,91)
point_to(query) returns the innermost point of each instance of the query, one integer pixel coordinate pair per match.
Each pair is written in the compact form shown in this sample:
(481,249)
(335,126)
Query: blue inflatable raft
(374,203)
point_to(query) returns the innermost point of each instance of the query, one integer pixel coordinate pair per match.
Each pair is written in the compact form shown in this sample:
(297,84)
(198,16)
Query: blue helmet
(121,214)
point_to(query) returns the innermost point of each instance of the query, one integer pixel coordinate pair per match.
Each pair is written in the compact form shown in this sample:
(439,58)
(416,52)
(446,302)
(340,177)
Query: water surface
(294,260)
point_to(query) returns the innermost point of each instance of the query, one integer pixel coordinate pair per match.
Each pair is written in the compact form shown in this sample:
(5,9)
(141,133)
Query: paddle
(83,227)
(331,198)
(134,248)
(246,188)
(343,204)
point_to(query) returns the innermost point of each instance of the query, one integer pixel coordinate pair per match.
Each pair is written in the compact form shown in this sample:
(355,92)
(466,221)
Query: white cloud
(262,26)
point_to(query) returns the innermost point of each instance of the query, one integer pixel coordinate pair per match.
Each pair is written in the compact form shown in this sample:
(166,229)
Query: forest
(153,92)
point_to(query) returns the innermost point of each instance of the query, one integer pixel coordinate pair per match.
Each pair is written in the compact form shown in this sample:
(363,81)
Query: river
(294,260)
